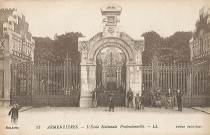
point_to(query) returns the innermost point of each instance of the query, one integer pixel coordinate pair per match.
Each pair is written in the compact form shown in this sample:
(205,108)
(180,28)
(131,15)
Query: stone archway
(110,37)
(109,42)
(88,67)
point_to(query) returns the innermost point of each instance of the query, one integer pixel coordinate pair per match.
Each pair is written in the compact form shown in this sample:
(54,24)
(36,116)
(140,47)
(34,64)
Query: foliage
(56,51)
(173,49)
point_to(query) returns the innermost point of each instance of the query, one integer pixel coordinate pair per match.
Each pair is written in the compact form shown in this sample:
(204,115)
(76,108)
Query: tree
(43,51)
(173,49)
(153,43)
(55,51)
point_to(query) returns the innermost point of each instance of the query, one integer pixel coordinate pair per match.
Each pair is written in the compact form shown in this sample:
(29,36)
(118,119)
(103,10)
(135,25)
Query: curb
(200,110)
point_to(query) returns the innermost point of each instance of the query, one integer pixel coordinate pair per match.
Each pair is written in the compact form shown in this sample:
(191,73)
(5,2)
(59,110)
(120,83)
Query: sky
(46,18)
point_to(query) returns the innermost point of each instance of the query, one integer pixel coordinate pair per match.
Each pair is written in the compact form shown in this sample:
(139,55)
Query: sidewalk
(4,110)
(202,109)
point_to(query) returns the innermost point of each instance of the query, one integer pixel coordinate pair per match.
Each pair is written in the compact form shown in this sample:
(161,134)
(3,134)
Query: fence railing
(45,84)
(50,84)
(192,80)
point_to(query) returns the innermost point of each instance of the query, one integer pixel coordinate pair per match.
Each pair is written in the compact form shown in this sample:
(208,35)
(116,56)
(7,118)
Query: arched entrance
(111,60)
(111,76)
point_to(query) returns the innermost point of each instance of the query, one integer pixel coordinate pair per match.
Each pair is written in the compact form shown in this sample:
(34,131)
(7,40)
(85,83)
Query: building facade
(200,42)
(16,46)
(110,60)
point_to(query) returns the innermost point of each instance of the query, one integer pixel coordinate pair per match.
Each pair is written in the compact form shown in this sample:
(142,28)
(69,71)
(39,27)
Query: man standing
(169,97)
(111,102)
(94,98)
(142,100)
(158,99)
(137,101)
(130,98)
(179,100)
(151,97)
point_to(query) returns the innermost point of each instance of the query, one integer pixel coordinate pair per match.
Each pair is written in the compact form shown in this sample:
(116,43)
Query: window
(111,19)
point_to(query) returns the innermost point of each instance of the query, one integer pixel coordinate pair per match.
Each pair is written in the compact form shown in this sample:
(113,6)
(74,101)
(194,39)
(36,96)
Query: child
(14,114)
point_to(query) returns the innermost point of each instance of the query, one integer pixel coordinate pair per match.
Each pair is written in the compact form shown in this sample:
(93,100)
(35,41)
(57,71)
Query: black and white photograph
(106,67)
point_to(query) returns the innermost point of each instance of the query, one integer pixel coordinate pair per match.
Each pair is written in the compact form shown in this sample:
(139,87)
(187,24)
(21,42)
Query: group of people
(137,101)
(168,98)
(95,100)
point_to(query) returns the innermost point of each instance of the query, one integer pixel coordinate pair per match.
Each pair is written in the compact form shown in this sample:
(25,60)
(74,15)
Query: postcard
(104,67)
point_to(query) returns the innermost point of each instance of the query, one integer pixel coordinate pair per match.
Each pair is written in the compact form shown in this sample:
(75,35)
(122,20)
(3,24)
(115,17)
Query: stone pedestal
(4,102)
(85,99)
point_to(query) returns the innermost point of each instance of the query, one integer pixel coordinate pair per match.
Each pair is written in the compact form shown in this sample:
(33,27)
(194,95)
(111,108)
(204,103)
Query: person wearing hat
(14,113)
(130,97)
(111,102)
(179,100)
(137,101)
(94,97)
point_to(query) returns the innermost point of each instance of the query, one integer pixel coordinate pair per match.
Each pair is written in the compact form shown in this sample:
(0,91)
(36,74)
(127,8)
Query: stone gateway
(110,62)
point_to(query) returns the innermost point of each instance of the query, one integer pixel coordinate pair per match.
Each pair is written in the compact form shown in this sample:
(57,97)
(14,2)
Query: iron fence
(192,80)
(59,85)
(45,84)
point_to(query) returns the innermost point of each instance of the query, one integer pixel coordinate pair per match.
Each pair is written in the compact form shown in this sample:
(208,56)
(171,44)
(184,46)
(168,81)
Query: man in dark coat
(151,98)
(142,100)
(14,114)
(94,98)
(137,101)
(158,99)
(130,97)
(111,102)
(179,100)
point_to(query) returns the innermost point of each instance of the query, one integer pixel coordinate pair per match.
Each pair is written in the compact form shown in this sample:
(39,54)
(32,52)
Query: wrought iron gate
(112,83)
(111,77)
(192,80)
(45,84)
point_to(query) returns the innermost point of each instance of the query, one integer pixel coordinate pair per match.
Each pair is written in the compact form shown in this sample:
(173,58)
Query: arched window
(201,44)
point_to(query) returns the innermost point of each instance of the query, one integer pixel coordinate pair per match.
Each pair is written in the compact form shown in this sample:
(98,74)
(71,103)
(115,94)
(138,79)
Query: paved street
(126,120)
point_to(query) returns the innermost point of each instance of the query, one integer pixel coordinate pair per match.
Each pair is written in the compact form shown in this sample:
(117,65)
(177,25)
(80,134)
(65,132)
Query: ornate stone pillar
(127,83)
(88,82)
(134,80)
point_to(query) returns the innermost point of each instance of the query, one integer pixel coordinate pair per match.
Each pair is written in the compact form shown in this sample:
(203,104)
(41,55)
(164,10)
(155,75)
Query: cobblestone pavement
(58,120)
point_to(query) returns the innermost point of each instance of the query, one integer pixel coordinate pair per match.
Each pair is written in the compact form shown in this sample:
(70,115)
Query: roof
(111,8)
